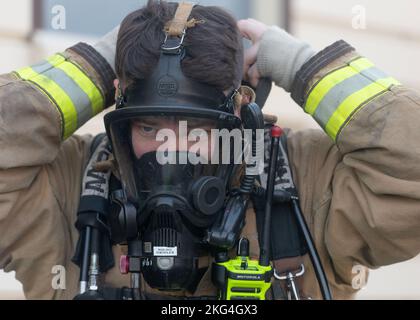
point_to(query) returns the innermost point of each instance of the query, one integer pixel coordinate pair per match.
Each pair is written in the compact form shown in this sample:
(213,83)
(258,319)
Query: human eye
(146,130)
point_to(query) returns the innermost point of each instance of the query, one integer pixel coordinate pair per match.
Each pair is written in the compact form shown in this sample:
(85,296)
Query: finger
(245,74)
(250,58)
(253,76)
(252,29)
(243,29)
(251,55)
(247,29)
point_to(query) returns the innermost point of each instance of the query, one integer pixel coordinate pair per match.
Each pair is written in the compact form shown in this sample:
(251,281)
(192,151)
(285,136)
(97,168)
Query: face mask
(178,203)
(183,189)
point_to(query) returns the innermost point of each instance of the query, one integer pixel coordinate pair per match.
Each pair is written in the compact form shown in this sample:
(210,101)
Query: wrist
(281,56)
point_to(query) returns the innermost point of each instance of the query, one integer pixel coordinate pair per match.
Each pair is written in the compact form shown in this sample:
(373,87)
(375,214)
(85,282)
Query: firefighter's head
(213,56)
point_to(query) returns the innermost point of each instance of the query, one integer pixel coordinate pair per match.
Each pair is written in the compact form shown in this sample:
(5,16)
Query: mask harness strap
(176,29)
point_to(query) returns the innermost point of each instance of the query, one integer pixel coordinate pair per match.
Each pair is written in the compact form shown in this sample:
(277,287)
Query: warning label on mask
(165,251)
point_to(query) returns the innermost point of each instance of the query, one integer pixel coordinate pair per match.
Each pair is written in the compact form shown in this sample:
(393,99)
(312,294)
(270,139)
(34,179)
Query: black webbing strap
(93,206)
(286,238)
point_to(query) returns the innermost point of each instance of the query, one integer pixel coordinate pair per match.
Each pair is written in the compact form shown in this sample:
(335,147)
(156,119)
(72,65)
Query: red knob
(276,132)
(124,264)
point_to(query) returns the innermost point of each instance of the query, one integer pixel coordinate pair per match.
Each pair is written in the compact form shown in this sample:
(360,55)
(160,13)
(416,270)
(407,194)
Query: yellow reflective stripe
(337,96)
(78,98)
(388,82)
(27,73)
(330,81)
(58,96)
(361,64)
(56,59)
(83,81)
(347,108)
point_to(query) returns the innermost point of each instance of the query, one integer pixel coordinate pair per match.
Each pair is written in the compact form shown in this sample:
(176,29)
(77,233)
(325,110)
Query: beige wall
(18,24)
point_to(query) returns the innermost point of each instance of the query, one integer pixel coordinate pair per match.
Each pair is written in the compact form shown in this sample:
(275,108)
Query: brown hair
(214,52)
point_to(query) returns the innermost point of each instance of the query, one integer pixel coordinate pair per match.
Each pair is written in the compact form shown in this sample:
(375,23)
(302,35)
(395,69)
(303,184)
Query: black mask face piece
(184,189)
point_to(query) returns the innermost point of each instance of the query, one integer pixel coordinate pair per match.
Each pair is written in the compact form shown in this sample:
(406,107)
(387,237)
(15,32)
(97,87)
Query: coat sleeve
(369,168)
(41,162)
(44,104)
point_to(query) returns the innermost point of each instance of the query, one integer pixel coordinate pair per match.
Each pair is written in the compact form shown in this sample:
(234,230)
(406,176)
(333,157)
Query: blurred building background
(387,32)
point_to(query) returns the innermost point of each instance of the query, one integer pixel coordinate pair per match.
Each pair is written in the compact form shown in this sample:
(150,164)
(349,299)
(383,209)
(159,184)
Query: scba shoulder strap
(285,236)
(287,244)
(94,249)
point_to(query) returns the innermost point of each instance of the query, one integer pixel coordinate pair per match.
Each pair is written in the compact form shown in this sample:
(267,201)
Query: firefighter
(358,178)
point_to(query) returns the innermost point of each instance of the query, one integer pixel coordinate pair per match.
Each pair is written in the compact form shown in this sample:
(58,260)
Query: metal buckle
(290,278)
(290,275)
(229,105)
(177,47)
